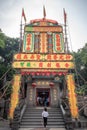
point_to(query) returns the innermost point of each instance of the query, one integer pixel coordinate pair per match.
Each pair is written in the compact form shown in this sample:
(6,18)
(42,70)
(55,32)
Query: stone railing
(18,113)
(71,123)
(67,117)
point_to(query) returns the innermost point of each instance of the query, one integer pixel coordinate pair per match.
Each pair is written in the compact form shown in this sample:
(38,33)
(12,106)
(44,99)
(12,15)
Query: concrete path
(42,129)
(4,125)
(49,129)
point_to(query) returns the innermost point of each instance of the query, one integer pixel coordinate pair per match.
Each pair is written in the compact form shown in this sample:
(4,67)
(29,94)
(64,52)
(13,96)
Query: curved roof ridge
(44,20)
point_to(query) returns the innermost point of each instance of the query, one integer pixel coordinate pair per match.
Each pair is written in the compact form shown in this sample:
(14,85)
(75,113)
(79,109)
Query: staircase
(33,118)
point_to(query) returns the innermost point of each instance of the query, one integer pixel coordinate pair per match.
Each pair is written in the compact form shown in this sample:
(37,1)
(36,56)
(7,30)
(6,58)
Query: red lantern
(33,85)
(37,73)
(51,84)
(47,73)
(53,73)
(60,73)
(33,73)
(43,74)
(28,73)
(22,73)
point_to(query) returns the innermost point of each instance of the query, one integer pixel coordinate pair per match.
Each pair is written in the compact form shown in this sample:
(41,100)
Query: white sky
(11,10)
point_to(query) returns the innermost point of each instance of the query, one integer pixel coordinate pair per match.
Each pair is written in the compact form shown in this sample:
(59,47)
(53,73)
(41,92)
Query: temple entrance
(42,97)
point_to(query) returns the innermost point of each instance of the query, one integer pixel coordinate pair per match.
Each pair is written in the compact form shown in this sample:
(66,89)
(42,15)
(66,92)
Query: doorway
(43,97)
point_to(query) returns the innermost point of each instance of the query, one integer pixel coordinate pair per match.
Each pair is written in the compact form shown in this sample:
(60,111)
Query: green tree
(81,68)
(2,39)
(7,49)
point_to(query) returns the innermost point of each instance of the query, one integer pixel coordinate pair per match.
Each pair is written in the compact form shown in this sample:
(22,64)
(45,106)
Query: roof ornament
(65,25)
(44,12)
(23,15)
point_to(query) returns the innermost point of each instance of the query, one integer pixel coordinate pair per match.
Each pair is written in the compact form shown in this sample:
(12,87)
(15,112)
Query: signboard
(54,42)
(42,57)
(58,43)
(43,43)
(43,65)
(72,95)
(28,45)
(44,29)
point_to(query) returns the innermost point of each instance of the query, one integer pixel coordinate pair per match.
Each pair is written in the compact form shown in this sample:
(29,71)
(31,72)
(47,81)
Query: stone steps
(32,118)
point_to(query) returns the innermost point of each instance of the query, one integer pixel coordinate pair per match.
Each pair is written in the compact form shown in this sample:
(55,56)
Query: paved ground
(4,125)
(42,129)
(48,129)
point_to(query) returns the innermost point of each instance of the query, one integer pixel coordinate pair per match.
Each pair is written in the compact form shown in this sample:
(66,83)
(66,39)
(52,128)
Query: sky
(11,11)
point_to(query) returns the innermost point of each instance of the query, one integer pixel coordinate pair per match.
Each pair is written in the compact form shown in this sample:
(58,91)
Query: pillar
(15,94)
(72,95)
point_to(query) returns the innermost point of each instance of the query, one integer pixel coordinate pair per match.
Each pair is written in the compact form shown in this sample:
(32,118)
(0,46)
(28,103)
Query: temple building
(44,67)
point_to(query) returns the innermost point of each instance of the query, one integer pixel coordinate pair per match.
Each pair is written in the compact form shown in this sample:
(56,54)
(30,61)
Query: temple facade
(43,67)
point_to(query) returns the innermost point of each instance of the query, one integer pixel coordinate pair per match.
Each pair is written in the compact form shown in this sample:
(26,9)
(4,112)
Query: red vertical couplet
(58,45)
(28,42)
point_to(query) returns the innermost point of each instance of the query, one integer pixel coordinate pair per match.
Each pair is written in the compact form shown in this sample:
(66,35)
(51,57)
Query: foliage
(7,49)
(81,69)
(9,91)
(2,39)
(11,47)
(82,90)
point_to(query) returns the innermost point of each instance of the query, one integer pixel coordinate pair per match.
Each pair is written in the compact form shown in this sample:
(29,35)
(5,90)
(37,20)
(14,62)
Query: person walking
(45,115)
(38,101)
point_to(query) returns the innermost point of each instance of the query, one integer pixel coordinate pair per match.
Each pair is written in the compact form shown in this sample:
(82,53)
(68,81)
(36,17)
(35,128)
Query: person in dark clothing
(45,115)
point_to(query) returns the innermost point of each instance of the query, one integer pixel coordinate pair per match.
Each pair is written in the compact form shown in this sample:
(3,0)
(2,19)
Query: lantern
(32,73)
(37,73)
(33,85)
(22,73)
(53,73)
(47,73)
(60,73)
(51,84)
(43,74)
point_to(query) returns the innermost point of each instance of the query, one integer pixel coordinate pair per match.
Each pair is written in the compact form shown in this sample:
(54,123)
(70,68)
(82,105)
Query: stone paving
(42,129)
(4,125)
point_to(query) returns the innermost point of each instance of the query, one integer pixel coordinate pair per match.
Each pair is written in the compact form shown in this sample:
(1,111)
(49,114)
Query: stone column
(59,99)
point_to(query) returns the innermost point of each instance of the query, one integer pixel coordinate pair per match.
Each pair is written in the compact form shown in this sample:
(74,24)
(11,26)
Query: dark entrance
(43,97)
